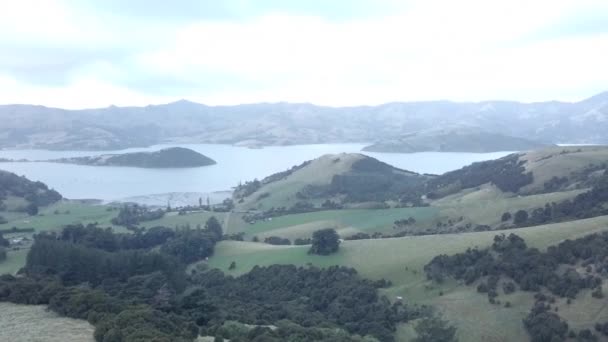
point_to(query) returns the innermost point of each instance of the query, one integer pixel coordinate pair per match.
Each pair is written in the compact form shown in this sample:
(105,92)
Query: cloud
(245,51)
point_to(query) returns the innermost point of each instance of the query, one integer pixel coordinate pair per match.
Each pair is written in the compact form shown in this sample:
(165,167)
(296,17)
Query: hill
(454,140)
(173,157)
(19,194)
(28,126)
(331,181)
(540,171)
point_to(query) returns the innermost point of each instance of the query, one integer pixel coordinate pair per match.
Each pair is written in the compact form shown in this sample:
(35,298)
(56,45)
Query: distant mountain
(173,157)
(27,126)
(454,140)
(346,179)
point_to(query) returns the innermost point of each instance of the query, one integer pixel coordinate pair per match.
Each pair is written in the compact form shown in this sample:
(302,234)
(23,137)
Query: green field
(476,319)
(68,212)
(346,222)
(27,323)
(51,218)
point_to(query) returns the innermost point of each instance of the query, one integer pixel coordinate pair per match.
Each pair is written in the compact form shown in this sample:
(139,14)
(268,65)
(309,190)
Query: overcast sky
(77,54)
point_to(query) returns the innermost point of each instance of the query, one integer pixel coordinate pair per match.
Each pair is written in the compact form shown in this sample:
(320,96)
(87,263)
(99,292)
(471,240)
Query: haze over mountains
(29,126)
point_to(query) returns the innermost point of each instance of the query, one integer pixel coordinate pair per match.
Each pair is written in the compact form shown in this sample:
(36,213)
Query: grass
(476,319)
(69,212)
(14,261)
(34,323)
(283,192)
(486,204)
(346,222)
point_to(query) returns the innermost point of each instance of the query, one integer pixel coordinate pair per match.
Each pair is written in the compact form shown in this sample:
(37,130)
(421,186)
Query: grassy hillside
(577,163)
(344,179)
(346,221)
(401,260)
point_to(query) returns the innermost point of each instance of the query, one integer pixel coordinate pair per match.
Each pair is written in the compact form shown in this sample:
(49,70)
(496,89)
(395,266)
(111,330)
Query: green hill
(19,194)
(540,171)
(173,157)
(340,180)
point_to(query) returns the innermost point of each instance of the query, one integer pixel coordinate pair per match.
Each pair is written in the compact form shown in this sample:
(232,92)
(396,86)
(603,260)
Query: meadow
(401,260)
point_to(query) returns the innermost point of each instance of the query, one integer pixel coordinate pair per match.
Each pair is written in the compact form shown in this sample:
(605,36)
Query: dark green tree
(3,242)
(521,217)
(434,329)
(324,242)
(214,227)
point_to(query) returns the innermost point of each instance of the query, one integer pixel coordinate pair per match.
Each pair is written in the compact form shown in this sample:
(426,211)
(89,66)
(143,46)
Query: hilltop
(173,157)
(28,126)
(454,140)
(337,180)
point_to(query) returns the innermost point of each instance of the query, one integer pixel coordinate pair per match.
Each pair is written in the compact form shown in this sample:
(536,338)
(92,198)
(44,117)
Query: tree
(3,242)
(521,216)
(31,209)
(324,242)
(232,265)
(214,227)
(434,329)
(506,217)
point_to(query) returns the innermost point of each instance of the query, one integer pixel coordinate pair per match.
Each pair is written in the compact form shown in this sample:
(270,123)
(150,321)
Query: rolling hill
(454,140)
(173,157)
(333,181)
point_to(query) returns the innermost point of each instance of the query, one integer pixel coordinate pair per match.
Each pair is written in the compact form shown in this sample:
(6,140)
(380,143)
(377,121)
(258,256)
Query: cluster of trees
(306,296)
(37,194)
(405,222)
(277,240)
(589,204)
(544,325)
(507,173)
(130,287)
(132,214)
(529,268)
(370,180)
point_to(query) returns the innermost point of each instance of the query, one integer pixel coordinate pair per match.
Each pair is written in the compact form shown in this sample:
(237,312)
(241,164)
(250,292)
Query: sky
(83,54)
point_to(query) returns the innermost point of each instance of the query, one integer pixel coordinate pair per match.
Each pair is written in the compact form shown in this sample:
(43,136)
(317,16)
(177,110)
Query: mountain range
(30,126)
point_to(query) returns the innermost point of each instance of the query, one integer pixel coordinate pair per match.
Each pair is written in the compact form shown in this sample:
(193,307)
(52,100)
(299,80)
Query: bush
(276,240)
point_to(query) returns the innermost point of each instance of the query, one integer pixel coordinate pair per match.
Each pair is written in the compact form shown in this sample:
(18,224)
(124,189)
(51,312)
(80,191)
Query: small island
(174,157)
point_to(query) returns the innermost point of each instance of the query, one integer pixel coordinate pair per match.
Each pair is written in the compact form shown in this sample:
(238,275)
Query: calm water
(234,165)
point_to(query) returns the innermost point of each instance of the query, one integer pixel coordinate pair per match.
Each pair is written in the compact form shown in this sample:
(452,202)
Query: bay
(234,165)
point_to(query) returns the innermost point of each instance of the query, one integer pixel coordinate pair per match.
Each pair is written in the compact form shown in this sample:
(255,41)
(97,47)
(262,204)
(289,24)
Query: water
(234,165)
